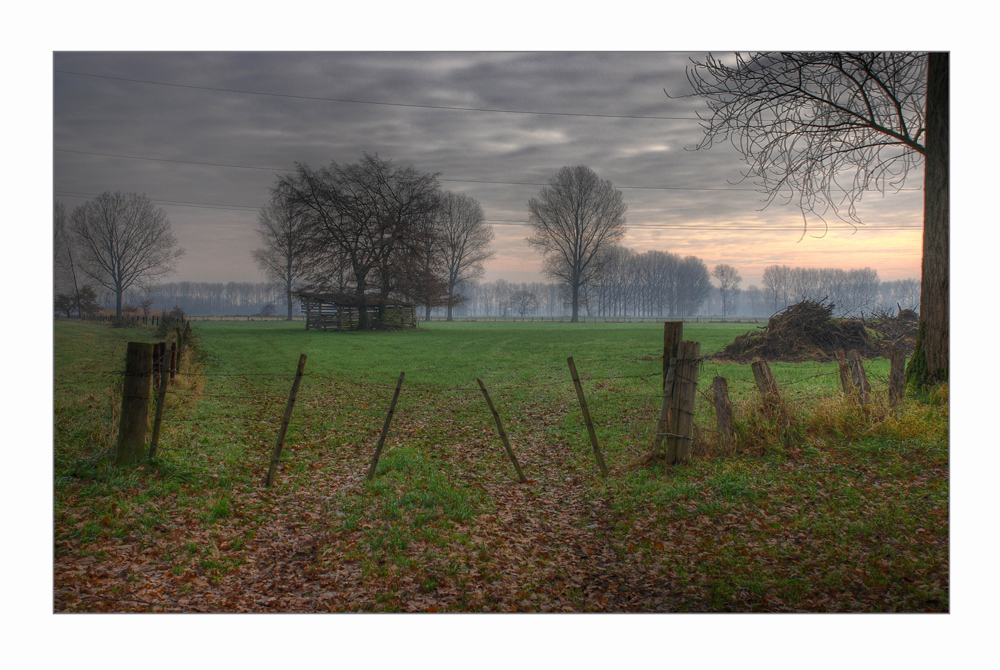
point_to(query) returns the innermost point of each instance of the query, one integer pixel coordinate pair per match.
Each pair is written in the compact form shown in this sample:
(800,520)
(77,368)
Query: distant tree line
(853,292)
(215,298)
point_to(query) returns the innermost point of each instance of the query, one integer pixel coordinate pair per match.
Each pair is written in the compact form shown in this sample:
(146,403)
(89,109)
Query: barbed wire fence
(260,400)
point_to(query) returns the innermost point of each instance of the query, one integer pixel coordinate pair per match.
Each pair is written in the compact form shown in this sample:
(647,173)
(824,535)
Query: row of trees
(215,298)
(651,283)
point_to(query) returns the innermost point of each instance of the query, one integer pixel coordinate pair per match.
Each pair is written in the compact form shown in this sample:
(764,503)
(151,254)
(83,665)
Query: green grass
(845,511)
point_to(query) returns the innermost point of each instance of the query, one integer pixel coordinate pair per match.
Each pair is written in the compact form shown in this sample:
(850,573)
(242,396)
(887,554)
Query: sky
(205,134)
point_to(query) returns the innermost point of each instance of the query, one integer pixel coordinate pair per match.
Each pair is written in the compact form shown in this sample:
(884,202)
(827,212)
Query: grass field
(846,512)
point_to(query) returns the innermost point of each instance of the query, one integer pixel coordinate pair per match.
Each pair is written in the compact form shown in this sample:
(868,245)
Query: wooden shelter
(341,311)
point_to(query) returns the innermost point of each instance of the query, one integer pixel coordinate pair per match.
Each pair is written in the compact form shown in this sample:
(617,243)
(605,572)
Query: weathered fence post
(173,359)
(897,376)
(845,371)
(280,442)
(766,385)
(135,404)
(385,428)
(859,377)
(586,418)
(683,396)
(724,412)
(663,421)
(673,333)
(503,433)
(160,365)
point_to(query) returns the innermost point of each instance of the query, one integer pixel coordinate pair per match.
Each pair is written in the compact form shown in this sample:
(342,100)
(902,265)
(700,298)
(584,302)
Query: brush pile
(807,331)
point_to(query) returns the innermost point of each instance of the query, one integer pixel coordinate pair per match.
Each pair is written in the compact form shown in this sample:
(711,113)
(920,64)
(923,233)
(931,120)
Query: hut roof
(348,299)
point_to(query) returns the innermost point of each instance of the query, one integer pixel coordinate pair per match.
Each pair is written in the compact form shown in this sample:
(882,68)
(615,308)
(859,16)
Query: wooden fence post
(724,412)
(683,396)
(766,385)
(385,428)
(859,377)
(673,333)
(586,418)
(845,371)
(173,359)
(503,433)
(161,396)
(897,367)
(280,442)
(135,404)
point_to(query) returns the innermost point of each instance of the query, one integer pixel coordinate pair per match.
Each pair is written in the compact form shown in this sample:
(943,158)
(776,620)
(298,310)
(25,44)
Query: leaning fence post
(385,428)
(161,396)
(663,421)
(766,384)
(503,433)
(859,376)
(280,442)
(586,418)
(135,404)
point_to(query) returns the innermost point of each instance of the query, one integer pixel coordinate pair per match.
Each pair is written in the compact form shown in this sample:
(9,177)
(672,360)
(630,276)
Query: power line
(508,222)
(488,110)
(459,181)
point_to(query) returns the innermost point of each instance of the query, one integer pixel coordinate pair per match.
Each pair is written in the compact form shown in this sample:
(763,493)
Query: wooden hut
(341,311)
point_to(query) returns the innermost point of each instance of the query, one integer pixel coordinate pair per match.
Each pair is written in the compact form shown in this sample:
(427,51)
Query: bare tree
(287,250)
(575,219)
(523,301)
(820,129)
(464,241)
(123,240)
(729,284)
(363,213)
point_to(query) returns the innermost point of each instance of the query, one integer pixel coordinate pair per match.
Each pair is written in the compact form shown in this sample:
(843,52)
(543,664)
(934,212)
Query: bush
(170,322)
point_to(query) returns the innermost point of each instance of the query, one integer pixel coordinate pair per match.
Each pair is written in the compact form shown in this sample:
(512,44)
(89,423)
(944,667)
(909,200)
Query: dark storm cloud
(202,110)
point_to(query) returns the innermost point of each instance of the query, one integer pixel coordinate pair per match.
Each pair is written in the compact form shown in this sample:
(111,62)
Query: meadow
(845,512)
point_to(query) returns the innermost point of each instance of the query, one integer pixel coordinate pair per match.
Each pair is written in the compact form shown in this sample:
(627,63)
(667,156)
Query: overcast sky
(205,134)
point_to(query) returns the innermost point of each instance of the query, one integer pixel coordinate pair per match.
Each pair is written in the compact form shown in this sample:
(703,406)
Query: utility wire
(459,181)
(488,110)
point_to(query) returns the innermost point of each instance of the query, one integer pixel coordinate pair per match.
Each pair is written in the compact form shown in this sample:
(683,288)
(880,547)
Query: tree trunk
(575,318)
(929,363)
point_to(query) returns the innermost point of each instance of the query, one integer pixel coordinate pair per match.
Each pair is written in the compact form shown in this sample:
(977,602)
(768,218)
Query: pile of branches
(807,331)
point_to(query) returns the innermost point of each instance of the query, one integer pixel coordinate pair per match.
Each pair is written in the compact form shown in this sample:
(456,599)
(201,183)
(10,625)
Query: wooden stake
(586,418)
(673,333)
(859,377)
(845,372)
(160,399)
(724,413)
(135,404)
(280,442)
(685,388)
(897,368)
(385,428)
(503,433)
